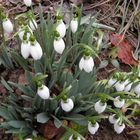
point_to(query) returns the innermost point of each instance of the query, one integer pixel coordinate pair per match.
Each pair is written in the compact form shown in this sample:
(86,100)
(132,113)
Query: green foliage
(23,113)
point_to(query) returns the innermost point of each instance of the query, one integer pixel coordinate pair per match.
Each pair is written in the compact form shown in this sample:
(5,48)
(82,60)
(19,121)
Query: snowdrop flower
(74,25)
(25,49)
(118,102)
(86,63)
(128,85)
(28,2)
(61,28)
(120,86)
(26,31)
(28,139)
(119,128)
(100,107)
(93,128)
(111,82)
(73,138)
(36,50)
(33,24)
(137,89)
(67,105)
(112,119)
(59,45)
(43,92)
(7,26)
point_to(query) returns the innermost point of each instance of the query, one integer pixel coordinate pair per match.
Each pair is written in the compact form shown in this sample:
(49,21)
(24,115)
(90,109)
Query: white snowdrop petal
(88,64)
(93,129)
(21,33)
(137,89)
(119,86)
(25,49)
(28,139)
(119,103)
(33,24)
(7,26)
(43,92)
(68,105)
(28,2)
(59,45)
(61,28)
(36,51)
(112,119)
(100,107)
(111,82)
(119,128)
(128,87)
(71,138)
(81,63)
(126,82)
(74,25)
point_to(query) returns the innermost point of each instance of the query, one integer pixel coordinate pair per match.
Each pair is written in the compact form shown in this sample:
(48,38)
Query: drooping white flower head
(93,128)
(112,119)
(28,2)
(119,128)
(7,26)
(36,51)
(28,139)
(33,25)
(59,45)
(61,28)
(128,85)
(100,107)
(111,82)
(67,105)
(137,89)
(25,49)
(43,92)
(118,102)
(22,32)
(71,138)
(74,25)
(120,86)
(86,63)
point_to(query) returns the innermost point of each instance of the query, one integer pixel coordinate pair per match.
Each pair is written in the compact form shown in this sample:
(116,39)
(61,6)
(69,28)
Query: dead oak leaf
(125,50)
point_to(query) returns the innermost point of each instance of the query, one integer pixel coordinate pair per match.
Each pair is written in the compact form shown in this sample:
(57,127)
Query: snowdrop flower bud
(67,105)
(61,28)
(74,25)
(43,92)
(33,24)
(28,139)
(71,138)
(137,89)
(93,128)
(36,50)
(119,128)
(25,49)
(111,82)
(86,63)
(119,103)
(112,119)
(100,107)
(7,26)
(59,45)
(120,86)
(28,2)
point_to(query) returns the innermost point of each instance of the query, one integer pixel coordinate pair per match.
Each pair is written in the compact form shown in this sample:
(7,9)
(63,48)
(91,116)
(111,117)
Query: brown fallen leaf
(125,49)
(50,131)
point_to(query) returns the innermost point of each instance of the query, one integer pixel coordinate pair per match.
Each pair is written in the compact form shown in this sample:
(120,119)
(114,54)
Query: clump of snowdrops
(58,59)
